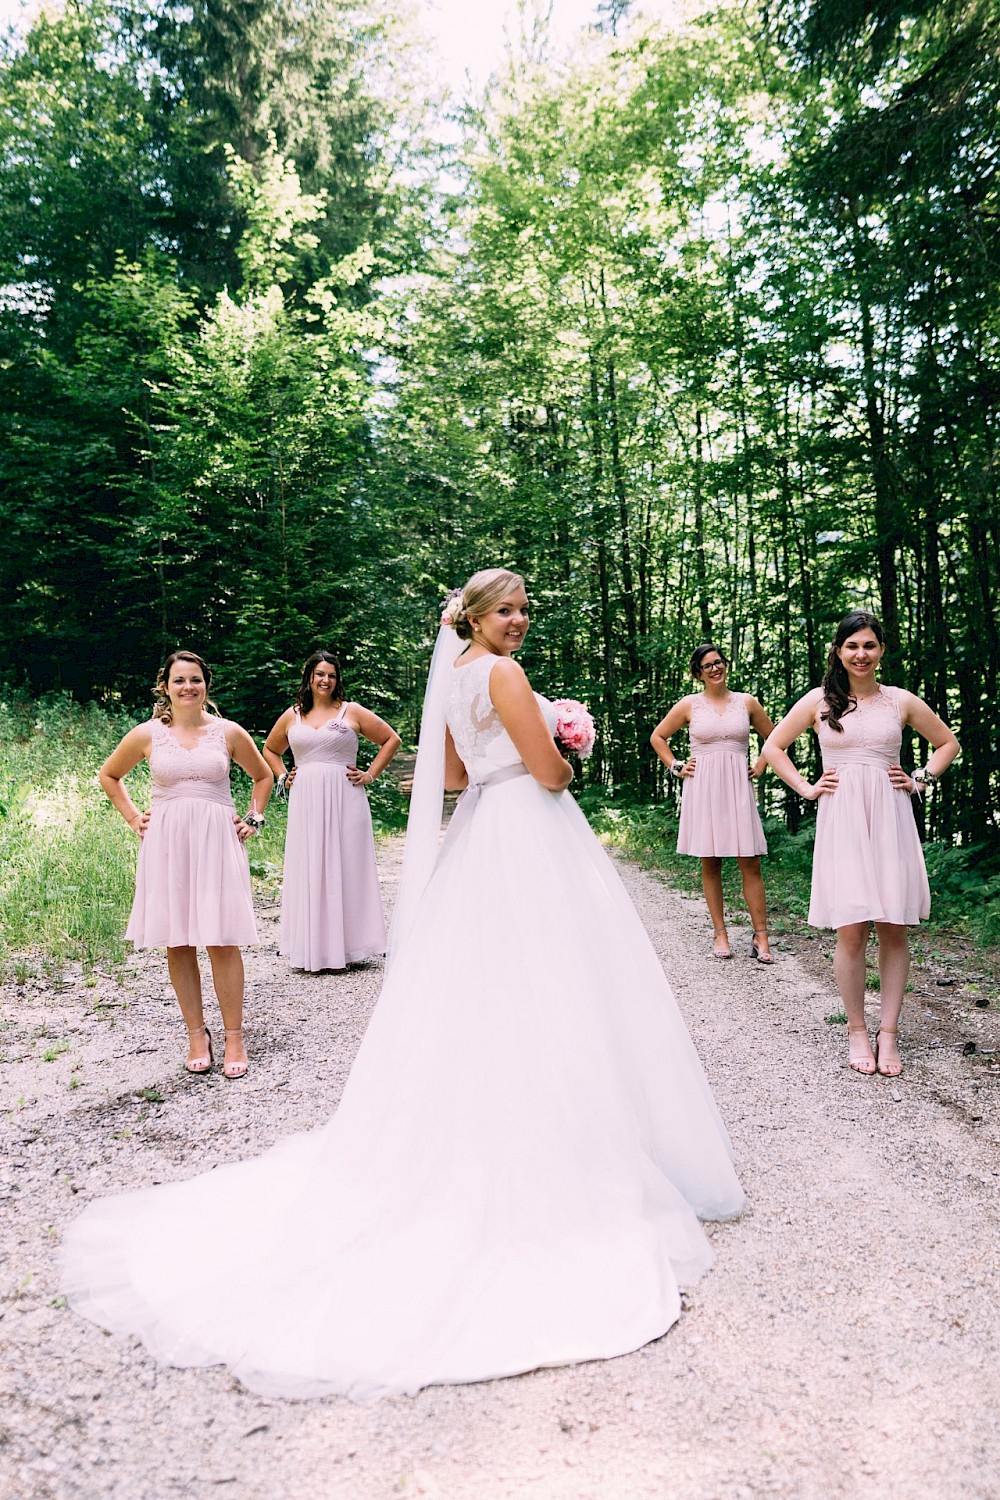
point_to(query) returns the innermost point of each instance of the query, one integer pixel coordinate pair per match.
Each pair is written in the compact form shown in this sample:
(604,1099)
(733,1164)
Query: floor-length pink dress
(192,880)
(331,906)
(868,865)
(719,814)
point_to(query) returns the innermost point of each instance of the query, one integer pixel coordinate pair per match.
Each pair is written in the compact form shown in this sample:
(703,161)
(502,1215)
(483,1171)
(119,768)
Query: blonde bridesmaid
(719,817)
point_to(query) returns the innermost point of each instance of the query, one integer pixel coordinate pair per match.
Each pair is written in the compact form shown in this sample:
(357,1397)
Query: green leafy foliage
(691,332)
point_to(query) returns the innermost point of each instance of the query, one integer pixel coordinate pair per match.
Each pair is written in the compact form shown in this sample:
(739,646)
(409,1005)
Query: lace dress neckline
(206,732)
(884,700)
(720,713)
(871,697)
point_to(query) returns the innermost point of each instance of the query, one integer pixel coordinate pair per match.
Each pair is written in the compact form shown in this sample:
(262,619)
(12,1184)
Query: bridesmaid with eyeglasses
(719,818)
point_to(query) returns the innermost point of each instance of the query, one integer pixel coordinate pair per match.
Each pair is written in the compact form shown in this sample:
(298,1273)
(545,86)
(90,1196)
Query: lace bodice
(202,771)
(332,743)
(713,729)
(872,733)
(480,738)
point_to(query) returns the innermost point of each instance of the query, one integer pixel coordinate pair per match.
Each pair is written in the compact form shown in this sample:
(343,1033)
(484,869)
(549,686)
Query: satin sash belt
(843,760)
(466,804)
(719,747)
(201,791)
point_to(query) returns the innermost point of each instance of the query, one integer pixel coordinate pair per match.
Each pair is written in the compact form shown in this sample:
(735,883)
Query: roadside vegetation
(67,860)
(965,883)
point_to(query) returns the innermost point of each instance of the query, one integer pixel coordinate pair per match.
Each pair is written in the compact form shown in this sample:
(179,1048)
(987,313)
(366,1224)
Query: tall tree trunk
(887,511)
(700,565)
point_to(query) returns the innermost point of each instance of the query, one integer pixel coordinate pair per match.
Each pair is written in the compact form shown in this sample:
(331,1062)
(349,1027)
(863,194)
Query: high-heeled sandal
(200,1065)
(762,958)
(894,1069)
(866,1066)
(721,937)
(231,1069)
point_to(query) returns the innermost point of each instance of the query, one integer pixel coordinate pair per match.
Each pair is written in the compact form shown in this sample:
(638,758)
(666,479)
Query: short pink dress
(331,906)
(719,814)
(868,865)
(192,880)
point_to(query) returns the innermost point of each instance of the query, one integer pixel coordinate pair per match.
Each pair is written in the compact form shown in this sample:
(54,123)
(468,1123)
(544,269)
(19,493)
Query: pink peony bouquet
(575,731)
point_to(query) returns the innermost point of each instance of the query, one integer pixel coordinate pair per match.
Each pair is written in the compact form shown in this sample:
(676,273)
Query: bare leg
(753,895)
(227,976)
(185,976)
(849,972)
(893,969)
(711,884)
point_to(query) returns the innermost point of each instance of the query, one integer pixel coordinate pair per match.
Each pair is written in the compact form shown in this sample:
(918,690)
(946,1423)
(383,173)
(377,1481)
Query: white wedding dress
(515,1173)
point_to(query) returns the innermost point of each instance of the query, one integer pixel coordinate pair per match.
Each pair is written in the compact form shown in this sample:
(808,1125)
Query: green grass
(648,834)
(965,889)
(67,859)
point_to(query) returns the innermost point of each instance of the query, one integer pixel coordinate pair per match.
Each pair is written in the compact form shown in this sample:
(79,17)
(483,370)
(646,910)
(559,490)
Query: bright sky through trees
(467,35)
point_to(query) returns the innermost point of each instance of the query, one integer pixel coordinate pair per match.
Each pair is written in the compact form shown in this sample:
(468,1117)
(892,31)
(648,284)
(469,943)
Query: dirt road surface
(845,1347)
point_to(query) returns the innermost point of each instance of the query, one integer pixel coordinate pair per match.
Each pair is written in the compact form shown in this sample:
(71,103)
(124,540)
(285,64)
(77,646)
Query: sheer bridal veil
(423,826)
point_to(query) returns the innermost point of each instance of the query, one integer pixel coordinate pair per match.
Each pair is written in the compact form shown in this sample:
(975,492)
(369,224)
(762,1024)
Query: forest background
(697,327)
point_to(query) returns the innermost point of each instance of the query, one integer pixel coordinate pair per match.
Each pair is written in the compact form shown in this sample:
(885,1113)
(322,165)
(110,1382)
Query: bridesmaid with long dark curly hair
(868,866)
(331,906)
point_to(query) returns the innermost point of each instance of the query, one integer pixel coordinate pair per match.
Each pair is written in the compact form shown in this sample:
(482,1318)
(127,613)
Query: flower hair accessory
(575,730)
(451,610)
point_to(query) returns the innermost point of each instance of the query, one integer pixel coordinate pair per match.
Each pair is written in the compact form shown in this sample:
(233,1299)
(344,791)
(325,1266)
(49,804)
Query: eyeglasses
(713,666)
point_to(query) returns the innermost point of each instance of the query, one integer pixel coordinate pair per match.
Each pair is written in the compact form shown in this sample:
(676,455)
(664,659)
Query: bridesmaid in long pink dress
(719,817)
(192,883)
(331,906)
(868,865)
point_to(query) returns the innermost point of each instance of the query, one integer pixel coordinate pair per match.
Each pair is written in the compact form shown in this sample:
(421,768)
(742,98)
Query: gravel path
(846,1344)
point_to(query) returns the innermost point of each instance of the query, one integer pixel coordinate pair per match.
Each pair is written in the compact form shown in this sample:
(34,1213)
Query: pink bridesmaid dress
(331,906)
(868,865)
(192,880)
(719,814)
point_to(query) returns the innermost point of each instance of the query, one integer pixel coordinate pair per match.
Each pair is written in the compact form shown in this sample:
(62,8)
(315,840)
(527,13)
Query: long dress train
(515,1173)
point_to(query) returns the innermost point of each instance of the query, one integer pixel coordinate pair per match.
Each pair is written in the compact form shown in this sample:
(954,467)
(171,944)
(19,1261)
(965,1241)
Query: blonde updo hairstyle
(161,705)
(482,593)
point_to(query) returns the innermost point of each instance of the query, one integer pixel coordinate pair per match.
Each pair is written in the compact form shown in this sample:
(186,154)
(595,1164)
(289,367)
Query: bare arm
(380,733)
(660,738)
(921,717)
(522,718)
(246,755)
(796,722)
(456,777)
(124,758)
(761,722)
(276,743)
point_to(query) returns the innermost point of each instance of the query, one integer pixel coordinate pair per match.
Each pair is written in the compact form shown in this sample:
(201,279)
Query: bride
(526,1142)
